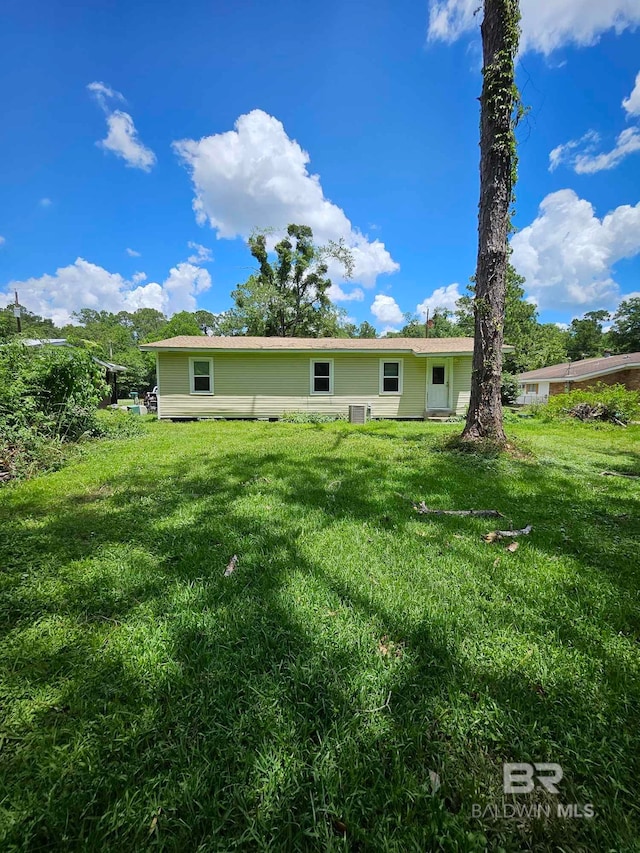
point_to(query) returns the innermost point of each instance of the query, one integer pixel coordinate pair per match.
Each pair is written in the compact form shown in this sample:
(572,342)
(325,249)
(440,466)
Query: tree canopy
(288,294)
(625,332)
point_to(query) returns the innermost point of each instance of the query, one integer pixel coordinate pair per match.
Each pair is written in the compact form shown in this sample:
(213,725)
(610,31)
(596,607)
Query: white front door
(437,385)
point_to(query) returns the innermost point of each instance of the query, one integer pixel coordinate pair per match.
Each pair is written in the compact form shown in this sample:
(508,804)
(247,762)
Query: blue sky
(135,133)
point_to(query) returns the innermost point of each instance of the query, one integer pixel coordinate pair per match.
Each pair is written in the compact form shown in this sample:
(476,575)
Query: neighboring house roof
(110,365)
(585,369)
(62,342)
(418,346)
(51,342)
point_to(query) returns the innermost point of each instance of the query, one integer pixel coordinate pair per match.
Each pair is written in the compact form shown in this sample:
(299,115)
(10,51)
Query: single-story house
(536,386)
(250,377)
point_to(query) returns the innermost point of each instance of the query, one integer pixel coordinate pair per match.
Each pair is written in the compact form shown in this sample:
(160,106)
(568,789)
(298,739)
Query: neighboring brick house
(539,385)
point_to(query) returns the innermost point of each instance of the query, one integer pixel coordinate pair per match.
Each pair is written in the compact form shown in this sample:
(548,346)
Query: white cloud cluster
(255,176)
(337,294)
(386,310)
(631,105)
(567,254)
(442,297)
(580,154)
(546,24)
(201,255)
(122,137)
(568,151)
(132,253)
(86,285)
(628,142)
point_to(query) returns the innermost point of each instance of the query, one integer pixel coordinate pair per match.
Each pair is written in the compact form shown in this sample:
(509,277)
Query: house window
(201,375)
(391,376)
(531,388)
(437,374)
(322,376)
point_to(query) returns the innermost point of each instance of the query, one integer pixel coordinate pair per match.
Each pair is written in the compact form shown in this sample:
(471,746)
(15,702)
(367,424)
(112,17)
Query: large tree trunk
(497,167)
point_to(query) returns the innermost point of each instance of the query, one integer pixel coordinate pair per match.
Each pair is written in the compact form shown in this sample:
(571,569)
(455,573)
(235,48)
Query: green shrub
(48,396)
(311,418)
(509,389)
(24,452)
(613,403)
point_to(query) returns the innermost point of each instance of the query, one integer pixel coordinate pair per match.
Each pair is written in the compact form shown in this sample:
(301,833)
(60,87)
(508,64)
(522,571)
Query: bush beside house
(48,397)
(601,402)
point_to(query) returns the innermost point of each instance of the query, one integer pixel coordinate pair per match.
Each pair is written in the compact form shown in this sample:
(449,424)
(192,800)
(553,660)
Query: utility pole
(426,325)
(17,313)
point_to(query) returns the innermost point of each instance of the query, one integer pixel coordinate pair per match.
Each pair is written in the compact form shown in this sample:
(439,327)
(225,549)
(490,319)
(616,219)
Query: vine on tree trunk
(501,109)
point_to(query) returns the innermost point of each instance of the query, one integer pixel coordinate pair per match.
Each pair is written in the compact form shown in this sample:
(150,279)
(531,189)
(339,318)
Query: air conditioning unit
(359,414)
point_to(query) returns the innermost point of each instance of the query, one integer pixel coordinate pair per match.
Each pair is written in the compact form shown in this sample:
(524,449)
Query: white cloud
(103,93)
(45,202)
(202,254)
(122,138)
(546,24)
(567,253)
(255,176)
(628,142)
(442,297)
(566,152)
(580,154)
(337,294)
(3,240)
(632,104)
(386,310)
(132,253)
(585,161)
(123,141)
(86,285)
(185,282)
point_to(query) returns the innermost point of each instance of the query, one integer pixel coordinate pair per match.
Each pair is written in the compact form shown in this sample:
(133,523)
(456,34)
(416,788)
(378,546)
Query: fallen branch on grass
(233,562)
(619,474)
(423,509)
(496,535)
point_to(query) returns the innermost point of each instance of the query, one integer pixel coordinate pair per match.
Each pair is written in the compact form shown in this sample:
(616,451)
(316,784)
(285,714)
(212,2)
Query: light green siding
(461,383)
(267,384)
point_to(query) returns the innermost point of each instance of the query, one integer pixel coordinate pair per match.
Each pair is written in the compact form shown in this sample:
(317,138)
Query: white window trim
(400,362)
(312,362)
(191,383)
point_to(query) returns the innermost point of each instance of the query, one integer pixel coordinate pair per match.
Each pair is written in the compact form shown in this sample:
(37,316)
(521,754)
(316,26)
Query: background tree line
(288,295)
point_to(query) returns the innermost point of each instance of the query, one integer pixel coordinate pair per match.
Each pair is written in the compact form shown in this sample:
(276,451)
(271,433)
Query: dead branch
(423,509)
(496,535)
(233,562)
(619,474)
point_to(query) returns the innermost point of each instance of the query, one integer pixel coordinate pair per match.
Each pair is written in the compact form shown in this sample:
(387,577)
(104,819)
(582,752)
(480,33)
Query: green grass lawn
(147,700)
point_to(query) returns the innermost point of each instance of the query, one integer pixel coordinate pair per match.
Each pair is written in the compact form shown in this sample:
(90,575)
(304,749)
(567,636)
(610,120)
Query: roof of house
(40,342)
(419,346)
(63,342)
(584,369)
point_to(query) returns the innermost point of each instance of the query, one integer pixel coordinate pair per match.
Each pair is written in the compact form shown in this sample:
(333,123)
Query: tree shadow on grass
(155,701)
